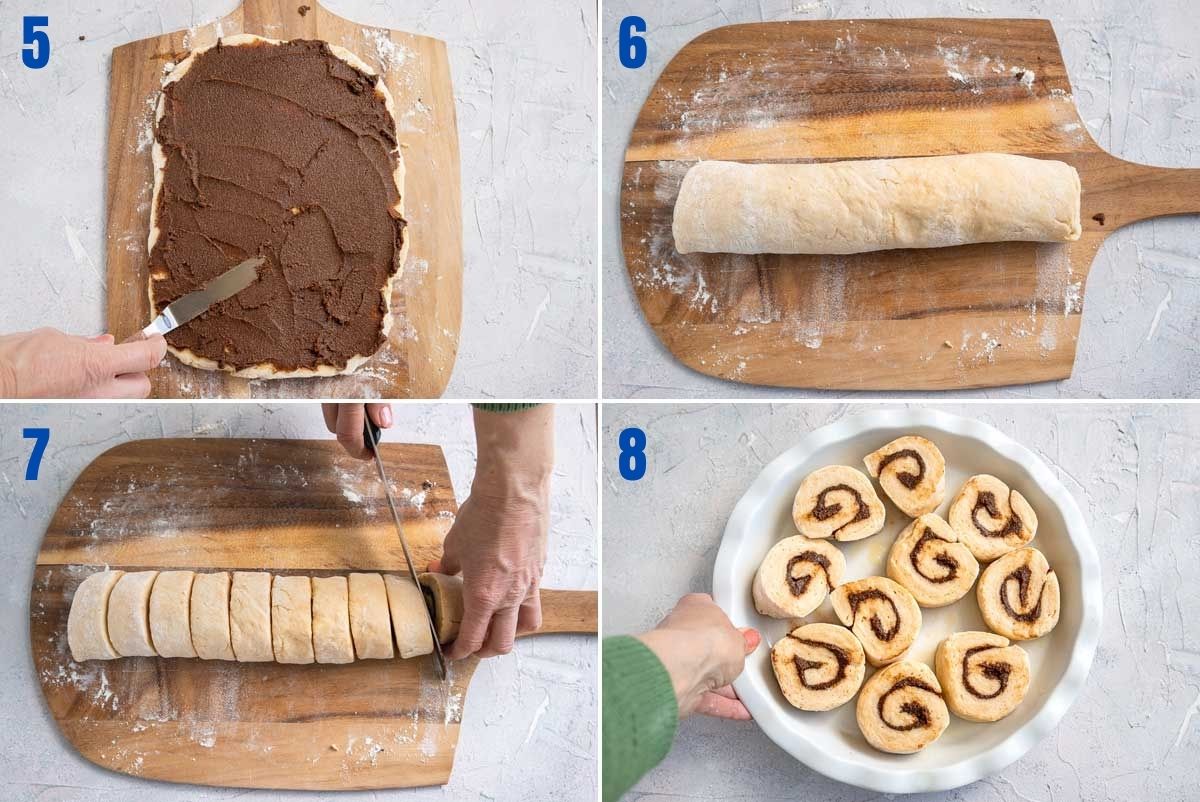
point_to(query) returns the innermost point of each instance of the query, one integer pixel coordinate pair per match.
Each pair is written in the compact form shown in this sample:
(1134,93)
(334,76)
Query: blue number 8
(633,454)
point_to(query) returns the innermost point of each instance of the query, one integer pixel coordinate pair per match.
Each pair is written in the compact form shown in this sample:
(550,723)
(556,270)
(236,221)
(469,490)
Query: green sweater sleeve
(639,713)
(504,407)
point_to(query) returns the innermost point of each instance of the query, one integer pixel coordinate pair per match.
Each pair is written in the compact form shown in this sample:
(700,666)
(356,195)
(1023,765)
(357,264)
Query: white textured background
(1135,71)
(1134,733)
(525,84)
(529,721)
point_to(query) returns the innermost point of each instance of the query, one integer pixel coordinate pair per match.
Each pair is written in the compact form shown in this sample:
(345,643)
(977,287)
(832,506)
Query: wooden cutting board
(970,316)
(427,300)
(285,506)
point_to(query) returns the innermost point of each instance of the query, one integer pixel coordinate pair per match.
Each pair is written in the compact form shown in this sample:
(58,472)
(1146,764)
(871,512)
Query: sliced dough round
(409,621)
(912,471)
(1018,595)
(818,666)
(983,678)
(446,593)
(837,501)
(883,615)
(209,616)
(129,614)
(331,620)
(991,519)
(291,619)
(250,616)
(930,563)
(87,622)
(370,620)
(900,709)
(170,619)
(796,575)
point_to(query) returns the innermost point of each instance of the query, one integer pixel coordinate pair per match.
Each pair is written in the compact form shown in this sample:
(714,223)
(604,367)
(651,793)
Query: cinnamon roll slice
(930,563)
(1018,595)
(839,502)
(819,666)
(991,519)
(883,615)
(912,471)
(983,678)
(900,709)
(796,575)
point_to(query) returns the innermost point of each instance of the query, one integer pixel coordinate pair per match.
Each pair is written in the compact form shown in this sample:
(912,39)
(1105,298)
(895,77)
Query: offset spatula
(194,304)
(371,436)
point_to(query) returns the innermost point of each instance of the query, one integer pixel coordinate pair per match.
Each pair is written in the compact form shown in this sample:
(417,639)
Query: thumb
(449,564)
(750,638)
(102,339)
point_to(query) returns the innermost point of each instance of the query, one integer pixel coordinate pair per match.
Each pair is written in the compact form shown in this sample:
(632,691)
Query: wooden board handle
(568,611)
(1124,192)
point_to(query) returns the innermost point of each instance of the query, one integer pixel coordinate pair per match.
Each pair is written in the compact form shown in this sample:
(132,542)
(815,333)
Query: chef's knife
(183,309)
(372,435)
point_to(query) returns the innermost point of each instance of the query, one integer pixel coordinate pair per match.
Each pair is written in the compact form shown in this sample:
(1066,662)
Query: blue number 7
(40,437)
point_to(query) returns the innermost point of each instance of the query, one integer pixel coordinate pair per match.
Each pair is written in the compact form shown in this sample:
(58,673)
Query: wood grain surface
(284,506)
(945,318)
(427,299)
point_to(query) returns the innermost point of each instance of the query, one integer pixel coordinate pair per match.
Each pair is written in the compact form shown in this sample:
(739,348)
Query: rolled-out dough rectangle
(875,204)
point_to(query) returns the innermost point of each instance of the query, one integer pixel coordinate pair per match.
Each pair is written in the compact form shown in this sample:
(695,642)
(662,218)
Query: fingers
(477,614)
(529,614)
(349,430)
(751,638)
(719,705)
(102,339)
(129,385)
(380,414)
(501,633)
(329,413)
(137,357)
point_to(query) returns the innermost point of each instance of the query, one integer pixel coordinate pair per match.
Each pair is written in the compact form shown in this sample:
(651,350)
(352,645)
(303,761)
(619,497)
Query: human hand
(46,363)
(703,653)
(347,421)
(498,540)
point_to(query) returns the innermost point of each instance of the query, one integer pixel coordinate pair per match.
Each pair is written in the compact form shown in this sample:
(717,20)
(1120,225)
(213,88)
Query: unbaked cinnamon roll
(930,563)
(983,677)
(839,502)
(818,666)
(1018,595)
(883,615)
(796,575)
(912,471)
(900,709)
(991,519)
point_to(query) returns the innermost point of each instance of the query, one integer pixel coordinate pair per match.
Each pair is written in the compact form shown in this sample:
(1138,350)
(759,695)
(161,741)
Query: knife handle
(371,433)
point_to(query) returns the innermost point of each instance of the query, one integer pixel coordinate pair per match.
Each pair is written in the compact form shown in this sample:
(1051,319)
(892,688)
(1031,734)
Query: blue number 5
(40,438)
(36,53)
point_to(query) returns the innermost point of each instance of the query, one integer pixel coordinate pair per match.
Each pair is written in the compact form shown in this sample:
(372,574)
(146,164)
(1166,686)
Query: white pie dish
(831,743)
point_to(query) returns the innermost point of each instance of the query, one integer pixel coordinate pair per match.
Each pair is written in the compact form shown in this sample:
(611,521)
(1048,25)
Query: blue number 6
(36,53)
(632,49)
(633,454)
(40,438)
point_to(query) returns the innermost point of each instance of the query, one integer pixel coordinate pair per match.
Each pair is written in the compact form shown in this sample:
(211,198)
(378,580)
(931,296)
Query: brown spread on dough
(861,596)
(909,480)
(1023,576)
(799,584)
(917,712)
(287,152)
(823,512)
(987,501)
(994,671)
(943,559)
(803,665)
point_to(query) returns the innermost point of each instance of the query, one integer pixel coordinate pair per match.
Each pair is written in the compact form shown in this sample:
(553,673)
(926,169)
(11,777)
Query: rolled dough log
(250,616)
(447,593)
(331,620)
(170,619)
(370,621)
(209,616)
(875,204)
(87,624)
(409,622)
(291,619)
(129,614)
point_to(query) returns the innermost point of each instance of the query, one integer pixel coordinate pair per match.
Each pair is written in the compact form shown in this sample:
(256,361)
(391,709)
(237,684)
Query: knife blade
(372,435)
(189,306)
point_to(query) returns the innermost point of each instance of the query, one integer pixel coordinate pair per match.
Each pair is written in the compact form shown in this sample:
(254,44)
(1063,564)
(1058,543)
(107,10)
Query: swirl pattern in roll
(912,472)
(1018,595)
(818,666)
(796,575)
(990,518)
(901,710)
(983,677)
(930,563)
(837,501)
(883,615)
